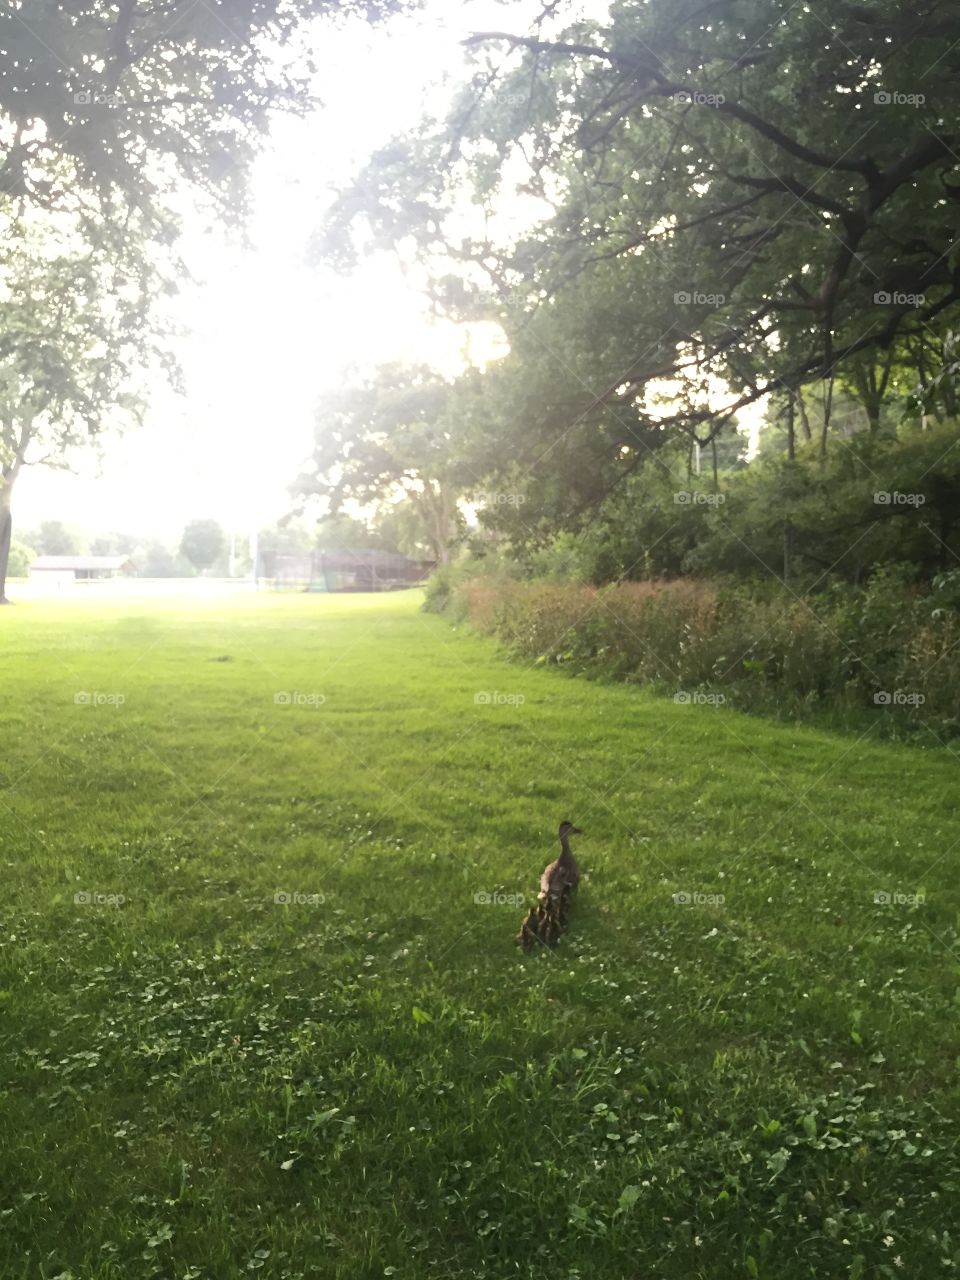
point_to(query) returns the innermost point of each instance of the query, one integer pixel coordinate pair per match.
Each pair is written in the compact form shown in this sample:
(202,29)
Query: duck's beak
(576,831)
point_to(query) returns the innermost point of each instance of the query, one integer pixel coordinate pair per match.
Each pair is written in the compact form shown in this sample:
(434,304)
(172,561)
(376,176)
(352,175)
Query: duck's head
(568,829)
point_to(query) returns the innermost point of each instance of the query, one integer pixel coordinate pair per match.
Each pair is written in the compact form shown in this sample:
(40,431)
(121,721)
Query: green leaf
(628,1198)
(163,1235)
(322,1117)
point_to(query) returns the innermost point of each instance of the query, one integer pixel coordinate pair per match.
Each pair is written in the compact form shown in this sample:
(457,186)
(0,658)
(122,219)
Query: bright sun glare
(266,333)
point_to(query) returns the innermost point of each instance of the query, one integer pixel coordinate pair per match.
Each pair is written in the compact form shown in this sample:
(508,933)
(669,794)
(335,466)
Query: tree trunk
(791,432)
(827,407)
(792,457)
(15,442)
(870,394)
(441,523)
(434,504)
(804,420)
(448,505)
(6,532)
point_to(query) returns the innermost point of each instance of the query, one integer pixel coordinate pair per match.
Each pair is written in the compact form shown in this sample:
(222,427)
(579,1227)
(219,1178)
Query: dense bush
(21,557)
(887,649)
(873,501)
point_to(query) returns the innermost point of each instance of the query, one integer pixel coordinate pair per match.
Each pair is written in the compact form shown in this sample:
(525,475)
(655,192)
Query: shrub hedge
(887,650)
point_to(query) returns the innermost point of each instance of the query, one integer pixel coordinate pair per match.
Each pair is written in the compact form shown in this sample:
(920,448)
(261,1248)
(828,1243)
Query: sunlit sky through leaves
(266,332)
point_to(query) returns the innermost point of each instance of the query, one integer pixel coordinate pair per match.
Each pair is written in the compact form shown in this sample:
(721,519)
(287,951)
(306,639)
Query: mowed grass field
(367,1079)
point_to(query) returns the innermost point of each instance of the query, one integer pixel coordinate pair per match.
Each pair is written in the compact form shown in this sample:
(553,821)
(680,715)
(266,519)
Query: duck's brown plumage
(545,921)
(563,873)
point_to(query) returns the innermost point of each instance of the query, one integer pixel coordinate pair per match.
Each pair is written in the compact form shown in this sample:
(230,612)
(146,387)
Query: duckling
(545,921)
(533,926)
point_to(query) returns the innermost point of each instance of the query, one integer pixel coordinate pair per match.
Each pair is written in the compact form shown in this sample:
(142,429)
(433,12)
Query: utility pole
(254,557)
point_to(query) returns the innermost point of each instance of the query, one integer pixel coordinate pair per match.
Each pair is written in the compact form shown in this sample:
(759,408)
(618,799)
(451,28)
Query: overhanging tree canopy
(127,95)
(728,200)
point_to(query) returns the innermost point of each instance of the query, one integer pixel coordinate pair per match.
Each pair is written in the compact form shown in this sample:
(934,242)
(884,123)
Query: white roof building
(80,568)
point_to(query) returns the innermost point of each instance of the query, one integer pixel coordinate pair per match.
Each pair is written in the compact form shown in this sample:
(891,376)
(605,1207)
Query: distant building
(80,568)
(347,570)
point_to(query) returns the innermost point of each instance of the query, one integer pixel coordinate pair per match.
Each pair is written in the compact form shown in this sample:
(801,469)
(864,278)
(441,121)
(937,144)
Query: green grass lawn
(369,1080)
